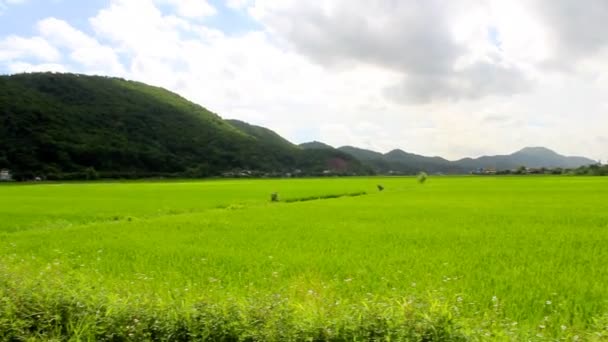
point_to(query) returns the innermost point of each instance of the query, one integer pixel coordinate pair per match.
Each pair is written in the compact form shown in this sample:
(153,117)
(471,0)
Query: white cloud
(14,47)
(239,4)
(464,79)
(84,50)
(420,40)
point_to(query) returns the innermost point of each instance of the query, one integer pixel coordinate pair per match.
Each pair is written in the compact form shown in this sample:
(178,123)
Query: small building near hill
(5,175)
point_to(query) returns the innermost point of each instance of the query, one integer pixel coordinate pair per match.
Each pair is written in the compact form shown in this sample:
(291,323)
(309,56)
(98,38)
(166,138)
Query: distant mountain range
(64,126)
(404,162)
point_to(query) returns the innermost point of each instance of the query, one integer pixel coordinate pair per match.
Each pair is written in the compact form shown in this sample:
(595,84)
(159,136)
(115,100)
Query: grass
(458,258)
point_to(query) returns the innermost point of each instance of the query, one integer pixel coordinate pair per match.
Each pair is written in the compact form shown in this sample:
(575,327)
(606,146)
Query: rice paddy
(455,258)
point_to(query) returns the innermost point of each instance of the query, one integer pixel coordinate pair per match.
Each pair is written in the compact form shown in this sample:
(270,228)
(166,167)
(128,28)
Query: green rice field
(453,259)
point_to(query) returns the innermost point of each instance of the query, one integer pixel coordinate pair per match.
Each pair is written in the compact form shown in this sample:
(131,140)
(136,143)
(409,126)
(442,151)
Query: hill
(76,126)
(313,161)
(315,145)
(533,157)
(66,125)
(399,161)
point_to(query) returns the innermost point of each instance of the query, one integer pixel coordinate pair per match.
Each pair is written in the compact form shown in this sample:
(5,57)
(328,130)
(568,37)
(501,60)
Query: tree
(422,176)
(91,173)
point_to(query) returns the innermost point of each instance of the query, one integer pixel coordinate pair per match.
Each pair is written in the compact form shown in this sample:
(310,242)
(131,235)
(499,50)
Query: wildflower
(542,326)
(548,302)
(348,280)
(564,327)
(494,298)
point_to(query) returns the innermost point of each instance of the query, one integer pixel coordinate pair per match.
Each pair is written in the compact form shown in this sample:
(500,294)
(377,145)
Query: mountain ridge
(398,160)
(64,125)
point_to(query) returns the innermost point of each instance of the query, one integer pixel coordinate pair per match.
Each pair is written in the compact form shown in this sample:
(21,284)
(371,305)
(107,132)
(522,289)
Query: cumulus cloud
(432,77)
(83,49)
(413,38)
(478,80)
(239,4)
(577,29)
(15,47)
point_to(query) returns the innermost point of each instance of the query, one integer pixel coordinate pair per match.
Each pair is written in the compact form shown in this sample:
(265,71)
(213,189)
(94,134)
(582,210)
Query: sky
(435,77)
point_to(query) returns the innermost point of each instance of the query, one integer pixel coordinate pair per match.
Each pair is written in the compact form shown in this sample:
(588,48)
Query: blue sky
(430,77)
(21,18)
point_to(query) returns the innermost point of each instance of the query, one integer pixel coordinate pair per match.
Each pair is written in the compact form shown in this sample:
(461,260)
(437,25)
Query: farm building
(5,175)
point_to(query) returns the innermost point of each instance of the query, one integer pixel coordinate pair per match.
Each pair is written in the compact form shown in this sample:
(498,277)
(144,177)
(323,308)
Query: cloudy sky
(435,77)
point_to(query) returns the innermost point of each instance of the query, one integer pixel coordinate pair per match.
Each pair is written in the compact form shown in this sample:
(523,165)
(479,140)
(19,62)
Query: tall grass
(459,258)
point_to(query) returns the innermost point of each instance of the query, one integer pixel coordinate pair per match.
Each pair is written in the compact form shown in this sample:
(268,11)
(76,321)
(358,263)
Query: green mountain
(308,160)
(76,126)
(316,145)
(263,135)
(67,125)
(362,154)
(533,157)
(398,161)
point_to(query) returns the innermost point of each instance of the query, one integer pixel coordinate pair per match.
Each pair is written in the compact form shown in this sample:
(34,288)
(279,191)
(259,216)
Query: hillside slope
(309,160)
(57,124)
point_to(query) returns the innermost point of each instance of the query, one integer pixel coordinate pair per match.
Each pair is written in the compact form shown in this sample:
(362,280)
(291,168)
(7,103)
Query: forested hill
(64,125)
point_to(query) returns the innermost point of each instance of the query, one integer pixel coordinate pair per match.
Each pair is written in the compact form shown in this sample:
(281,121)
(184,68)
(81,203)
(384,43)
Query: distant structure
(5,175)
(484,171)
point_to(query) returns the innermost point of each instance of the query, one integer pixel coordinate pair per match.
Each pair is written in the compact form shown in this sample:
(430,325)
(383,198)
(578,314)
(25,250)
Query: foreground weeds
(37,310)
(41,310)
